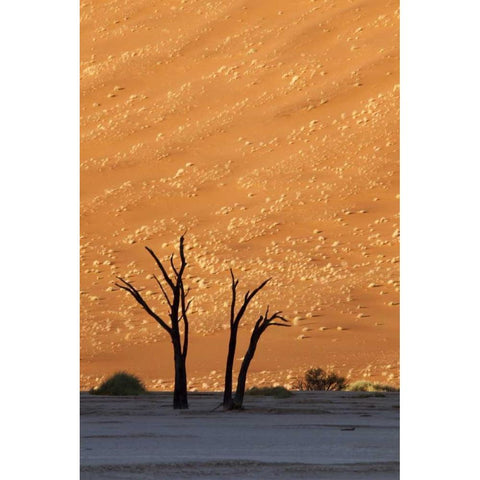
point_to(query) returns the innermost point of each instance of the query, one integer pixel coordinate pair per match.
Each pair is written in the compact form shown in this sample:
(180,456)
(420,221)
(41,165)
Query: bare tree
(178,309)
(232,345)
(261,325)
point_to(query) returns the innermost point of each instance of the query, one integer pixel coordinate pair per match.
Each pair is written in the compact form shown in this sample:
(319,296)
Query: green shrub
(364,386)
(318,379)
(277,392)
(121,383)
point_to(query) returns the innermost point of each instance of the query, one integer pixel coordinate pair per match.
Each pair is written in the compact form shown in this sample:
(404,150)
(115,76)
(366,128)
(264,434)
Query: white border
(40,216)
(439,243)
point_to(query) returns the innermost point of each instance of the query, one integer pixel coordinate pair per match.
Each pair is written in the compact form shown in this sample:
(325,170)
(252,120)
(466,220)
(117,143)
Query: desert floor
(312,435)
(269,131)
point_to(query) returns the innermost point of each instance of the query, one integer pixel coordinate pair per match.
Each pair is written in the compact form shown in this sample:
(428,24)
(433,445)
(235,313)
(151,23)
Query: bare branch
(256,290)
(138,297)
(269,321)
(162,268)
(186,310)
(163,291)
(234,297)
(182,256)
(173,266)
(184,317)
(277,315)
(247,299)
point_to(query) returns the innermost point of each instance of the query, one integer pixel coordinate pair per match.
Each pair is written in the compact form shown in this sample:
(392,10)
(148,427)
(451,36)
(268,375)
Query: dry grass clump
(277,392)
(365,386)
(318,379)
(121,383)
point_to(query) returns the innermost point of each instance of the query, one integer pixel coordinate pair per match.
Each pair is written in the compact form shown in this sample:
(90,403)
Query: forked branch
(235,318)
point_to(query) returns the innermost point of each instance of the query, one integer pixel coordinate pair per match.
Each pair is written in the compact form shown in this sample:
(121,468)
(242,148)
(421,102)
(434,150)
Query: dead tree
(261,325)
(232,345)
(178,309)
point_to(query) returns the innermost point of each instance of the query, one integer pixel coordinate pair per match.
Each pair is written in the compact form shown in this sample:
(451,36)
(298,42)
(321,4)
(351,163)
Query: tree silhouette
(261,325)
(176,299)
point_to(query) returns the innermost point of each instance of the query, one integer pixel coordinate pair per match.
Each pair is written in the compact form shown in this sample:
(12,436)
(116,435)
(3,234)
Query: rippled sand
(267,130)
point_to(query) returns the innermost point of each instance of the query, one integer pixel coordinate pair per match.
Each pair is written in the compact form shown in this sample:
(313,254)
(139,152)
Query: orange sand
(268,130)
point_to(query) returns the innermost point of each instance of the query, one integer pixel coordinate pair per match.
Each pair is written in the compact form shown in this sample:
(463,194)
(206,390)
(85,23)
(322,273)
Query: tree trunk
(242,376)
(227,395)
(180,397)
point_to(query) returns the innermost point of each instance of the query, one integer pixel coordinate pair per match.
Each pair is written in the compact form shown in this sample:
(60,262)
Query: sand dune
(268,131)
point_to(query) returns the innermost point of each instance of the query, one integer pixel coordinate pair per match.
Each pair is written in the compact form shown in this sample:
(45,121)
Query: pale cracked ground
(312,435)
(267,130)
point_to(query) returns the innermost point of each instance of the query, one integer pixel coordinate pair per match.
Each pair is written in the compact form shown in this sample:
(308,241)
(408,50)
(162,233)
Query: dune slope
(269,132)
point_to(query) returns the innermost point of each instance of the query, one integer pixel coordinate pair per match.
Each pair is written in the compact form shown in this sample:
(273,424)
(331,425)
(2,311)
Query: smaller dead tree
(261,325)
(236,402)
(178,309)
(235,318)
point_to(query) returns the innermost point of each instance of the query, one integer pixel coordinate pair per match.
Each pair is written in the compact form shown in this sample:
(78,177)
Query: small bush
(318,379)
(277,392)
(364,386)
(121,383)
